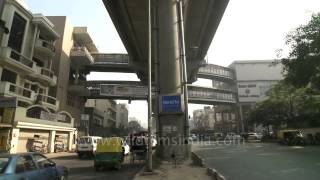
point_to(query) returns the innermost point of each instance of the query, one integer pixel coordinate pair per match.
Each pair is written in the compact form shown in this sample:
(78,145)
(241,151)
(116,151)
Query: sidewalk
(168,171)
(60,154)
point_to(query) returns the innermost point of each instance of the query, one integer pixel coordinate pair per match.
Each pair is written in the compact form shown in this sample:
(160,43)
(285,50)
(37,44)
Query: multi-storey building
(122,116)
(108,108)
(254,79)
(31,115)
(73,53)
(204,118)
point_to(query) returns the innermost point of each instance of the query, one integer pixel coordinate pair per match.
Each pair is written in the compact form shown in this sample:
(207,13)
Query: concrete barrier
(196,160)
(214,174)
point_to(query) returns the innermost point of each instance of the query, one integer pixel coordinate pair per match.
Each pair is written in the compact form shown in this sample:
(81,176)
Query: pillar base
(174,152)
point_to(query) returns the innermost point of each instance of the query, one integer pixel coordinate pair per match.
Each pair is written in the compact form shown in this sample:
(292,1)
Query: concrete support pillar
(52,138)
(14,140)
(171,126)
(70,142)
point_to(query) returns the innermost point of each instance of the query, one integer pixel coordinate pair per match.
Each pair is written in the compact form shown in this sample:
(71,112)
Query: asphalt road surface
(83,169)
(262,161)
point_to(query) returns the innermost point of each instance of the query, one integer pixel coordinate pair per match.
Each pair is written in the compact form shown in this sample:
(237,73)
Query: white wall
(255,78)
(257,70)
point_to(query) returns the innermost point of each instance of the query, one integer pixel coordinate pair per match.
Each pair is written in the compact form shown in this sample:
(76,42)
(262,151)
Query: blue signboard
(171,104)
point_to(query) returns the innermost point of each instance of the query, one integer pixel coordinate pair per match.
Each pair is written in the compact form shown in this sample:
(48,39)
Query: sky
(249,30)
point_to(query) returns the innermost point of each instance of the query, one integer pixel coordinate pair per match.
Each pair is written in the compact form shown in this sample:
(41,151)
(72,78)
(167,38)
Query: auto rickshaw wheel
(117,166)
(96,167)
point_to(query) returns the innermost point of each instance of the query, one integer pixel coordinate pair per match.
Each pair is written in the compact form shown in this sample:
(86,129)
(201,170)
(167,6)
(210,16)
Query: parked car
(254,136)
(193,137)
(33,166)
(233,136)
(218,136)
(87,145)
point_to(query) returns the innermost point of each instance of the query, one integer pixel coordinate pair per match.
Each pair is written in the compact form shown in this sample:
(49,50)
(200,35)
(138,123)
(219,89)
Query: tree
(287,105)
(302,67)
(134,126)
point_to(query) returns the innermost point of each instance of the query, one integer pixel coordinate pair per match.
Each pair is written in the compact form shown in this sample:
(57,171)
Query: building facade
(122,116)
(31,115)
(204,119)
(254,79)
(108,108)
(73,53)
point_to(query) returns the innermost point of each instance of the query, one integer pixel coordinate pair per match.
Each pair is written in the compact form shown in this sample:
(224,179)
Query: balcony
(48,101)
(80,56)
(17,61)
(8,89)
(45,76)
(44,49)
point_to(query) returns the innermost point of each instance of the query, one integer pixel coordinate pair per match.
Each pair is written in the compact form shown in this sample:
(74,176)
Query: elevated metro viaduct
(177,27)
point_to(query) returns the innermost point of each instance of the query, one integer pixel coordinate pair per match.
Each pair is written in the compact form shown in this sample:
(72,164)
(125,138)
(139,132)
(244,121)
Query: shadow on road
(82,169)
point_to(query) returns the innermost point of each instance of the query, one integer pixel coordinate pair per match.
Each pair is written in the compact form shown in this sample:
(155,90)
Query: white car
(233,136)
(254,136)
(87,145)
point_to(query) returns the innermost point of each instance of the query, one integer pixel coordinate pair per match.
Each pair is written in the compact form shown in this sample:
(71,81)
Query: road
(83,169)
(261,161)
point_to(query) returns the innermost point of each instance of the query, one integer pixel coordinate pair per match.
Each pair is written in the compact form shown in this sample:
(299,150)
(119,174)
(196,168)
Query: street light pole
(149,164)
(184,67)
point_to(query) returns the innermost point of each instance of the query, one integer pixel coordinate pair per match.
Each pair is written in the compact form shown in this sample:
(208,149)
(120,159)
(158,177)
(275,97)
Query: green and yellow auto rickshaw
(109,153)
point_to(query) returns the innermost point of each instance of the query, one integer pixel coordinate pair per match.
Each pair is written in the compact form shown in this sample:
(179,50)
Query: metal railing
(103,58)
(46,72)
(47,99)
(217,71)
(20,58)
(208,93)
(15,90)
(47,44)
(212,95)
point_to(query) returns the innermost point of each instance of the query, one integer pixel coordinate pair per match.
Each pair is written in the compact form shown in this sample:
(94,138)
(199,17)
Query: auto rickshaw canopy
(111,144)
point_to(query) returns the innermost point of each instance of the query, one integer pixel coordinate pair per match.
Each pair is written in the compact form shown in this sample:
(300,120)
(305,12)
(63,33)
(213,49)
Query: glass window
(9,76)
(3,163)
(42,161)
(25,163)
(17,32)
(85,140)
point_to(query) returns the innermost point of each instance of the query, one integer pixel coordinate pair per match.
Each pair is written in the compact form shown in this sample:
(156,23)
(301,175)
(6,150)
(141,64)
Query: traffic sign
(170,104)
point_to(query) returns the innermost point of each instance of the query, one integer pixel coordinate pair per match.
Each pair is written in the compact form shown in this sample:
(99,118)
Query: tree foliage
(295,101)
(287,105)
(302,67)
(134,126)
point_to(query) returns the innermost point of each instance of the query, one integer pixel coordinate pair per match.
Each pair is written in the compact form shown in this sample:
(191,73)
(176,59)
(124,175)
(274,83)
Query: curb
(214,174)
(197,160)
(139,173)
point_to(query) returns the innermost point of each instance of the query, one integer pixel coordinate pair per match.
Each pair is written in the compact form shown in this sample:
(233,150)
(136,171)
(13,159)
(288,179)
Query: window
(8,76)
(38,62)
(17,32)
(85,140)
(3,164)
(42,161)
(242,86)
(25,163)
